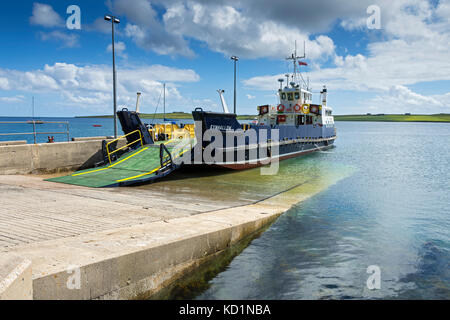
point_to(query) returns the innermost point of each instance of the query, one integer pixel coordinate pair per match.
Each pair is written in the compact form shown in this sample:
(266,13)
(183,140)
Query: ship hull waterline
(250,164)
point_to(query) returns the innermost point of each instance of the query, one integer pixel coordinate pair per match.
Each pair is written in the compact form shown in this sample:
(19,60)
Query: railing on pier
(35,133)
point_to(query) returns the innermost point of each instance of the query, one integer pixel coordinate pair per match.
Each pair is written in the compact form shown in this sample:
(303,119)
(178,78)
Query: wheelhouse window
(290,96)
(297,96)
(283,96)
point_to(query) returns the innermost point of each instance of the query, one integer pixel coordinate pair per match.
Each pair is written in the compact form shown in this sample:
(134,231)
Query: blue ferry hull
(291,141)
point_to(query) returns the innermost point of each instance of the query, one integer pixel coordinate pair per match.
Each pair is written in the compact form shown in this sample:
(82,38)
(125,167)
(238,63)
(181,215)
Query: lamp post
(235,59)
(114,20)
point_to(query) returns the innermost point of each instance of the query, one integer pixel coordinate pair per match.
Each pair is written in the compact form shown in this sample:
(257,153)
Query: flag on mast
(301,63)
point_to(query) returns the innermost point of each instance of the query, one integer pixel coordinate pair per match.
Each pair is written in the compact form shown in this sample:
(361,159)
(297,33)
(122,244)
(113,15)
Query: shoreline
(438,118)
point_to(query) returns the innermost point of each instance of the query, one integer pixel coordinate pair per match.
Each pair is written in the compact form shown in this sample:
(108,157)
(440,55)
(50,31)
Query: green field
(172,115)
(442,117)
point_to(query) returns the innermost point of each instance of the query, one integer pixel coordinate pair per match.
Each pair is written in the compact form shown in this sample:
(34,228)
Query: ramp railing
(125,146)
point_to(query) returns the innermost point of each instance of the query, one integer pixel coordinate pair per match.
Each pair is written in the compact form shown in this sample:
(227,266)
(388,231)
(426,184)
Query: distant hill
(441,117)
(172,115)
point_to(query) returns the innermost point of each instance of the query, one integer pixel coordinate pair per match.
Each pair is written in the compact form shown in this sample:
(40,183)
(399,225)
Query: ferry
(301,126)
(293,127)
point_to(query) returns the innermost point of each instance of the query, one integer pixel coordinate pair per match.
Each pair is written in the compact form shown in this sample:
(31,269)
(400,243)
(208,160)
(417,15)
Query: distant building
(407,114)
(368,114)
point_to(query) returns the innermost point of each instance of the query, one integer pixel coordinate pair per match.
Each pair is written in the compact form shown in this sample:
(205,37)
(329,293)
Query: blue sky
(401,67)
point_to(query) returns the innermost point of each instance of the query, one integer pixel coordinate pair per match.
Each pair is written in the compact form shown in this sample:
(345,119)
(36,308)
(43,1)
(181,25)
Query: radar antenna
(296,58)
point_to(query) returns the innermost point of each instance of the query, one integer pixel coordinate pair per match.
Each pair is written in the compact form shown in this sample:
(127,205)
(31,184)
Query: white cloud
(44,15)
(206,104)
(119,48)
(250,97)
(146,30)
(92,85)
(14,99)
(100,25)
(68,40)
(4,84)
(229,31)
(414,49)
(400,99)
(250,29)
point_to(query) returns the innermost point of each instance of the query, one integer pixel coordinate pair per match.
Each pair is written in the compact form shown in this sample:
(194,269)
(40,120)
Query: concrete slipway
(122,243)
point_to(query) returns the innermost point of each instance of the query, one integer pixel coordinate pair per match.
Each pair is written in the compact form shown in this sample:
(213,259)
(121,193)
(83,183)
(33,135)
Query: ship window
(297,96)
(290,96)
(308,120)
(300,120)
(283,96)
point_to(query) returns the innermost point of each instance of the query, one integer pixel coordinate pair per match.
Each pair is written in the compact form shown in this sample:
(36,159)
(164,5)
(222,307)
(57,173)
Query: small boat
(97,125)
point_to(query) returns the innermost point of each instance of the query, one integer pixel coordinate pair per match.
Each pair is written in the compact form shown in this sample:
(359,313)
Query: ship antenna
(295,59)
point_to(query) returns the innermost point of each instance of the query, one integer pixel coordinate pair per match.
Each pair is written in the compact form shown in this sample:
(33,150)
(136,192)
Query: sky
(394,62)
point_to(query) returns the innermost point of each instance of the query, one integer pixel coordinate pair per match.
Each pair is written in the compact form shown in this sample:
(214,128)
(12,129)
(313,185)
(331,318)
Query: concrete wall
(91,138)
(117,268)
(50,157)
(12,143)
(15,278)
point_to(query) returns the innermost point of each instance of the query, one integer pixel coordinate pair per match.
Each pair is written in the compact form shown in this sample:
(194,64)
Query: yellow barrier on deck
(173,131)
(126,146)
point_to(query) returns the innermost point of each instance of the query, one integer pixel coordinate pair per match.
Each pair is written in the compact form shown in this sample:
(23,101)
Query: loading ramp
(144,164)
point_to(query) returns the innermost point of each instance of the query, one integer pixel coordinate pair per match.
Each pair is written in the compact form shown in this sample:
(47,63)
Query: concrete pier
(21,158)
(60,241)
(120,243)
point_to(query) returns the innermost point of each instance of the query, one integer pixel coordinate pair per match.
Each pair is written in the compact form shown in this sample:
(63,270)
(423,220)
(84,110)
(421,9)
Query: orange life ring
(280,107)
(297,108)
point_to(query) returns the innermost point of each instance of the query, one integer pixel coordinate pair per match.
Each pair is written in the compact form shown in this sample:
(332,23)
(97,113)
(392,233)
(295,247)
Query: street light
(114,20)
(235,59)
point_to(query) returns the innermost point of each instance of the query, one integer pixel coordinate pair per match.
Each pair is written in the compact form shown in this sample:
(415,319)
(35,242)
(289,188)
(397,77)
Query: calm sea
(384,203)
(78,127)
(390,211)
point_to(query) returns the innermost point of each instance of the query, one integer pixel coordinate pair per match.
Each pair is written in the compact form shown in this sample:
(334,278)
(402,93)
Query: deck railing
(125,146)
(35,133)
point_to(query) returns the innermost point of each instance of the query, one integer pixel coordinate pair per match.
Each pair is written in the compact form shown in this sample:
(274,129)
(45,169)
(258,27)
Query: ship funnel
(137,101)
(222,99)
(324,96)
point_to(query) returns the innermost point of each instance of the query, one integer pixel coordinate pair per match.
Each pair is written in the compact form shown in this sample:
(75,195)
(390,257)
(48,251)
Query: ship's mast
(164,101)
(295,59)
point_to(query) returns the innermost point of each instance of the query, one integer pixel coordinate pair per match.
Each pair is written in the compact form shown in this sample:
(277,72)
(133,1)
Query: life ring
(305,108)
(314,109)
(264,109)
(280,107)
(297,108)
